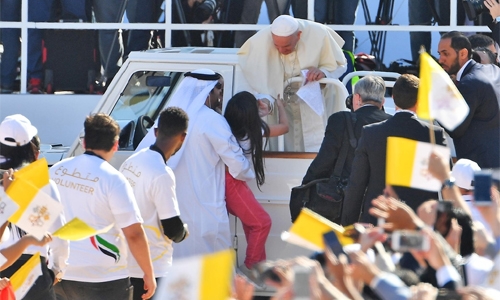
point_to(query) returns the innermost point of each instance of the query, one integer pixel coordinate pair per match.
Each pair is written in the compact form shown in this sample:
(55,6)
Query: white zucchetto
(284,25)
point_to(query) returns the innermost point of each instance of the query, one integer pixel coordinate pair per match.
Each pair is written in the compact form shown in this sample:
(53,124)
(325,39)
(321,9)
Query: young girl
(242,114)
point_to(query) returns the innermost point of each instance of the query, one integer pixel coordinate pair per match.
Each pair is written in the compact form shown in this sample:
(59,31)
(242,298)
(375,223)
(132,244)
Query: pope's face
(286,44)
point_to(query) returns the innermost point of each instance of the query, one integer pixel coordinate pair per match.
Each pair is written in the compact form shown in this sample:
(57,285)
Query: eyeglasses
(218,86)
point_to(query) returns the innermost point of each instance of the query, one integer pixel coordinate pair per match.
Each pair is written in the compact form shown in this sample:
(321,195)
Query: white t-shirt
(92,190)
(154,188)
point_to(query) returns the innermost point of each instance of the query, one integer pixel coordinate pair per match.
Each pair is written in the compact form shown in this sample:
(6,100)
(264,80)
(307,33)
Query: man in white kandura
(199,165)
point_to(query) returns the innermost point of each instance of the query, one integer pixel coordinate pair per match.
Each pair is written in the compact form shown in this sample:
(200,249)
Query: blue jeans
(110,43)
(76,290)
(344,13)
(38,11)
(141,11)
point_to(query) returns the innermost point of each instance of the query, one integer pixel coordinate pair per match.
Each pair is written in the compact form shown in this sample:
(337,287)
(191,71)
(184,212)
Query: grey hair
(370,88)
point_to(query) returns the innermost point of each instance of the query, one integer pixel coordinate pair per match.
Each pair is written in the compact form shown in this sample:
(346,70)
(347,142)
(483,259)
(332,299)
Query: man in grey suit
(478,137)
(367,179)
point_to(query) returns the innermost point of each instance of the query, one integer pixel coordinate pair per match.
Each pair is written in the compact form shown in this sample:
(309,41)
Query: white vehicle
(142,88)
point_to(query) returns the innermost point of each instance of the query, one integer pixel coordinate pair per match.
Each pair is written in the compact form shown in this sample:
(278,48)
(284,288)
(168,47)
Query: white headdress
(190,96)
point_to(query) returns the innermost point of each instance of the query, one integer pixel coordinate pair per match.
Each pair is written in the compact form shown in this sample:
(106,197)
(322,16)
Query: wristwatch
(58,274)
(448,183)
(497,19)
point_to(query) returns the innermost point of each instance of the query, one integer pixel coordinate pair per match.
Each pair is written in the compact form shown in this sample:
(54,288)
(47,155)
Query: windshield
(140,103)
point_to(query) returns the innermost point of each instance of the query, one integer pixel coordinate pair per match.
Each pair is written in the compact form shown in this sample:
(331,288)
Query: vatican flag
(7,207)
(76,230)
(407,163)
(438,97)
(308,230)
(24,278)
(206,277)
(37,210)
(493,279)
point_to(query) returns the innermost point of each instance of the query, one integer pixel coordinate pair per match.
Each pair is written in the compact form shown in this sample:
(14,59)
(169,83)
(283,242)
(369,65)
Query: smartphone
(482,186)
(405,240)
(301,284)
(445,206)
(445,294)
(332,242)
(264,271)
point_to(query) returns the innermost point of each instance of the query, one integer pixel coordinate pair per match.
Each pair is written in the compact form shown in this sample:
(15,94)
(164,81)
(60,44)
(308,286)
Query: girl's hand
(3,283)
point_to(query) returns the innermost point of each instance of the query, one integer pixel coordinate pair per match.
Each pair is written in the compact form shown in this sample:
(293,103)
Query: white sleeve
(122,203)
(335,74)
(446,274)
(164,196)
(224,142)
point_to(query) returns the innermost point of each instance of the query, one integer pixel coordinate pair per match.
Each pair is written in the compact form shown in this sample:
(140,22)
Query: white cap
(284,25)
(16,130)
(463,172)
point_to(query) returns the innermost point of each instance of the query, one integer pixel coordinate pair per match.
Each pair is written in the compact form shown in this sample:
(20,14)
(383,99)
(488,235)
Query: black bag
(325,196)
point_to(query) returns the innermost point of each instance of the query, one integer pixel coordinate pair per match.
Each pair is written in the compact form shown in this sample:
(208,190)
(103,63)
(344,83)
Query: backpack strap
(349,118)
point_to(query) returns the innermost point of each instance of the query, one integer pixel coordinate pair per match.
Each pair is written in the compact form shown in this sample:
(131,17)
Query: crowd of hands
(343,277)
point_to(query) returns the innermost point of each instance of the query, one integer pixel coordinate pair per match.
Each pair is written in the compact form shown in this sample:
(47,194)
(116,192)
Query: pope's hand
(314,74)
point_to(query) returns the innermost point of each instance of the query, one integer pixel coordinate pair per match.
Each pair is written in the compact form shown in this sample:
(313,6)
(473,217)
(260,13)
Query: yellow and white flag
(493,279)
(438,97)
(407,163)
(7,208)
(37,210)
(24,278)
(76,230)
(206,277)
(308,230)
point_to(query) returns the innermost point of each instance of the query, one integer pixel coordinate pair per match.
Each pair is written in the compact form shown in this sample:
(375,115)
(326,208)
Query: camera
(204,10)
(348,102)
(473,8)
(264,271)
(445,206)
(405,240)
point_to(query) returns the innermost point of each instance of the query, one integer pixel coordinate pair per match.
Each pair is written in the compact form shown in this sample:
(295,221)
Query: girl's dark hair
(242,114)
(17,156)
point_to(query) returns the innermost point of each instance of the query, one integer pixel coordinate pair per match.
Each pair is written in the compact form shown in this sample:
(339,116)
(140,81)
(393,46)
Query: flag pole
(431,120)
(431,132)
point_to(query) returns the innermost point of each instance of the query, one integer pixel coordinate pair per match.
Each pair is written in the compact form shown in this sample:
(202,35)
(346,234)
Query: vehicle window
(140,103)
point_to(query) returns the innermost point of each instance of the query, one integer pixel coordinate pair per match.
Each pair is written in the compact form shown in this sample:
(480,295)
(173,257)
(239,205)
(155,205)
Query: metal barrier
(24,25)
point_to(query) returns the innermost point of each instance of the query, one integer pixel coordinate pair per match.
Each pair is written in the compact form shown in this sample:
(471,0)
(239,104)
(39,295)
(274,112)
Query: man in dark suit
(478,137)
(367,180)
(367,101)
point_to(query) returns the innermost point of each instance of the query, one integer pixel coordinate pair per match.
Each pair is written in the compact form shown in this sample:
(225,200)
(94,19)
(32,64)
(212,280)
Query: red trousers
(241,202)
